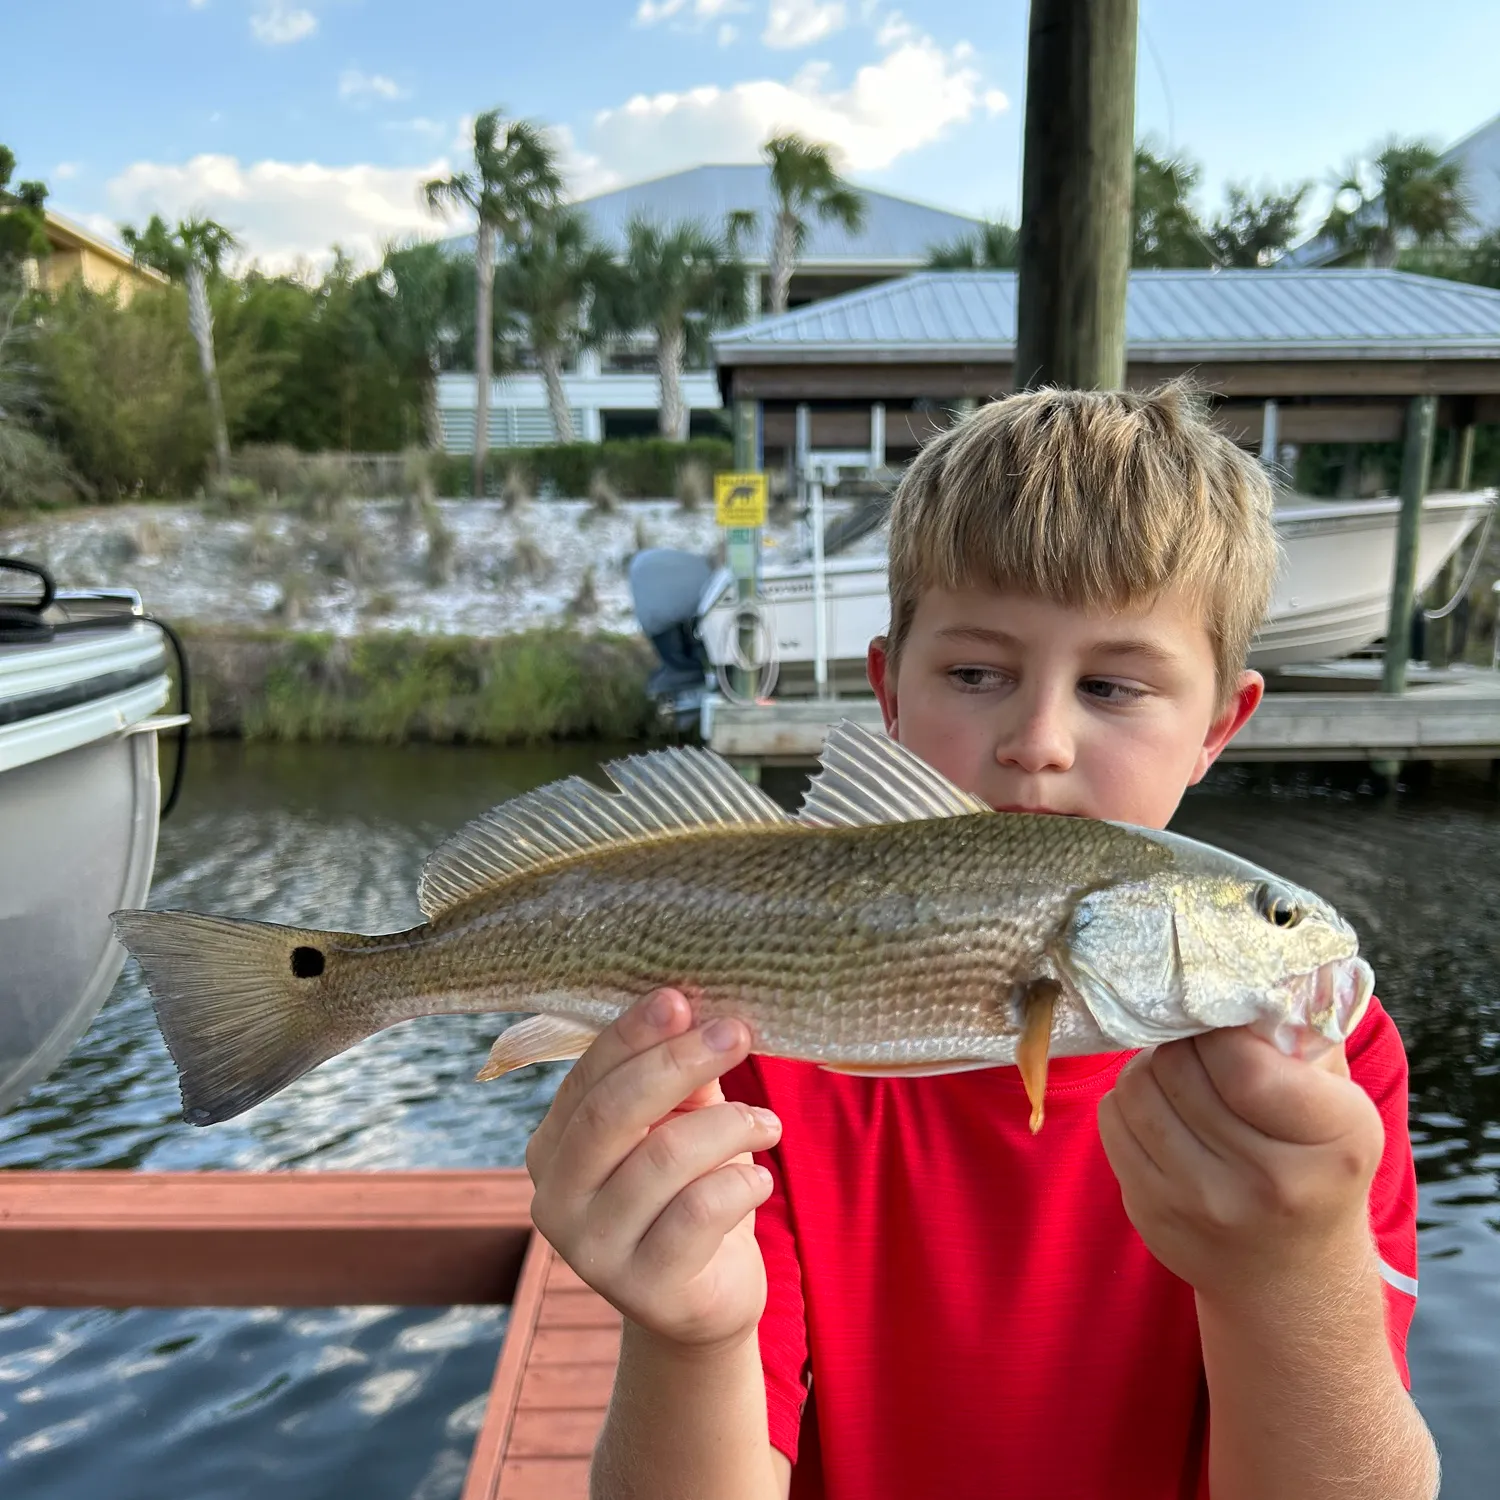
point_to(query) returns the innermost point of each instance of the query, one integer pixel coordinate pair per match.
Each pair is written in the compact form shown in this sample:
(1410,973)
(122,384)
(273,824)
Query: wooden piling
(1076,183)
(1421,419)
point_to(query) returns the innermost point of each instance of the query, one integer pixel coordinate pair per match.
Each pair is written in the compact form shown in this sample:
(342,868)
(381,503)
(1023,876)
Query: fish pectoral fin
(541,1039)
(1036,1035)
(909,1070)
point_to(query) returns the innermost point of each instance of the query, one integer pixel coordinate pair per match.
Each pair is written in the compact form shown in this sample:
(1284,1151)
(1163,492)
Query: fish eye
(1277,906)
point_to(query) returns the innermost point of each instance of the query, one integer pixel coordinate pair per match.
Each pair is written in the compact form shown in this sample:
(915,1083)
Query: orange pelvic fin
(541,1039)
(1031,1050)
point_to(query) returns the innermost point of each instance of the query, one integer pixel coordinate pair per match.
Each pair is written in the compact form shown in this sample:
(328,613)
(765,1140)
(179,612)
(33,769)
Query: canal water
(308,1404)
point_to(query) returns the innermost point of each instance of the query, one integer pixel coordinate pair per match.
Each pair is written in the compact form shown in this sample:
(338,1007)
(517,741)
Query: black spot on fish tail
(308,963)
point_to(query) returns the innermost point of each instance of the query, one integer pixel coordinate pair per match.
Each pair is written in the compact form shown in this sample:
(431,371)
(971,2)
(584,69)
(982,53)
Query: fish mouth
(1330,1000)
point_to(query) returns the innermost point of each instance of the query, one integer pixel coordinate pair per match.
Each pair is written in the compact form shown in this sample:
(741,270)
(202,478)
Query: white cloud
(995,101)
(64,170)
(799,23)
(197,4)
(286,212)
(276,23)
(692,13)
(359,86)
(912,96)
(727,33)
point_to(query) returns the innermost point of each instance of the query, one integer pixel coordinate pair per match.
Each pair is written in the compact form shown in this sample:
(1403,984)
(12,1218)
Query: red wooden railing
(320,1239)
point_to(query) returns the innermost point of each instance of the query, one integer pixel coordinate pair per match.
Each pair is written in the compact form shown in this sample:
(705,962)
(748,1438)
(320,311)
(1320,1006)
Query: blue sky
(301,122)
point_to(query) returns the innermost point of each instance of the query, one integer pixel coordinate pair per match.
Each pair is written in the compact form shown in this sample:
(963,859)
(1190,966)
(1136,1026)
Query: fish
(895,926)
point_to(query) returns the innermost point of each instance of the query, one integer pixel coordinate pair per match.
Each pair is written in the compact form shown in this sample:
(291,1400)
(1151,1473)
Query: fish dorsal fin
(659,793)
(869,778)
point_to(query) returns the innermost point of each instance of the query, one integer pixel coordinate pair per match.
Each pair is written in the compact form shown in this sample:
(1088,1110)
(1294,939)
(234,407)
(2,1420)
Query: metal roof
(1169,315)
(897,232)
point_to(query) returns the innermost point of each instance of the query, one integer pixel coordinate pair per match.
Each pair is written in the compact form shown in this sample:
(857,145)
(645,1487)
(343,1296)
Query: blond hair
(1100,500)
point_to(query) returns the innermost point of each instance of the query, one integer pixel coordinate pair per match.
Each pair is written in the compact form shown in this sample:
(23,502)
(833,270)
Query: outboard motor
(666,587)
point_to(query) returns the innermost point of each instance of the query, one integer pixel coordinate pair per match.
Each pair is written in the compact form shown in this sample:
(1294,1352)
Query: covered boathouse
(1288,357)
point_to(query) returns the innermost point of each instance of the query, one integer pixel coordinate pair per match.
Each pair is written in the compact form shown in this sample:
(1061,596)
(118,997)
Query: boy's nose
(1039,741)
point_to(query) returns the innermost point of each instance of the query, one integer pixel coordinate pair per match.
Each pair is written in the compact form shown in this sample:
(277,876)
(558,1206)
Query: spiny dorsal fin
(867,778)
(661,792)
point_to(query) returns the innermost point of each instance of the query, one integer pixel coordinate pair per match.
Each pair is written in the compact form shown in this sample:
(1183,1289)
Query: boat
(83,679)
(1331,598)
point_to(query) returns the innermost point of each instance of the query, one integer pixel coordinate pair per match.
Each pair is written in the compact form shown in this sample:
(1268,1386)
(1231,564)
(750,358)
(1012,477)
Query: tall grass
(391,687)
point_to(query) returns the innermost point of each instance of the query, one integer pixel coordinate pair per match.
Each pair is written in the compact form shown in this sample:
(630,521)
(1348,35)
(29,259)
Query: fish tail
(239,1004)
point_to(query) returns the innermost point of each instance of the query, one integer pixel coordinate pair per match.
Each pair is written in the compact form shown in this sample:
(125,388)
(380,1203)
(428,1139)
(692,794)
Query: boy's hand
(644,1182)
(1245,1171)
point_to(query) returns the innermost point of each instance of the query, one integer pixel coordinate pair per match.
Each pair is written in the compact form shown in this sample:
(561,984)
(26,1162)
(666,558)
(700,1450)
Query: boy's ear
(881,670)
(1248,692)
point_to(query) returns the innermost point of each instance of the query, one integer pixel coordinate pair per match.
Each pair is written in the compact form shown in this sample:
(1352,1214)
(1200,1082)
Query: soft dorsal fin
(661,792)
(868,778)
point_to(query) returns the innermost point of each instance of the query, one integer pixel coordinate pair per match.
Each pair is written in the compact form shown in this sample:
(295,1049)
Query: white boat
(1331,597)
(83,678)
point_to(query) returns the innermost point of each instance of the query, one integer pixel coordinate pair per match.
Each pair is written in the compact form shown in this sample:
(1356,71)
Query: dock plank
(550,1390)
(568,1385)
(1450,720)
(545,1479)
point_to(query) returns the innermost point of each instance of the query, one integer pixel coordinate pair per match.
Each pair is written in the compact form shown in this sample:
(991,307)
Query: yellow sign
(740,499)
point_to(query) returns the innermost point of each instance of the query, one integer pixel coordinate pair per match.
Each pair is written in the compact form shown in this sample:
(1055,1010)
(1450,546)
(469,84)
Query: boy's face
(1037,706)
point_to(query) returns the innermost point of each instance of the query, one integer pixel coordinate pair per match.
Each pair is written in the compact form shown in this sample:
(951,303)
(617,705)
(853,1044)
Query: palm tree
(804,180)
(548,284)
(419,302)
(995,247)
(190,255)
(1256,230)
(1165,230)
(682,281)
(514,182)
(1409,194)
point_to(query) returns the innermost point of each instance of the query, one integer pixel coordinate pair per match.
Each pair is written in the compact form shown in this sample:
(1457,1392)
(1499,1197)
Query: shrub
(639,468)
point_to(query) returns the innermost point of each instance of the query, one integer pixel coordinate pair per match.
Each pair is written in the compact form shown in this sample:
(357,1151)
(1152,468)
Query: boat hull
(1331,597)
(79,800)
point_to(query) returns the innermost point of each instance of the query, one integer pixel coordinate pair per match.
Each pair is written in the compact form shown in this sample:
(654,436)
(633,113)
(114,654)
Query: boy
(1198,1278)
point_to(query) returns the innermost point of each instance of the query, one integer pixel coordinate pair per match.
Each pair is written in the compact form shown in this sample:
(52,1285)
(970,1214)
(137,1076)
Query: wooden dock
(321,1239)
(1331,714)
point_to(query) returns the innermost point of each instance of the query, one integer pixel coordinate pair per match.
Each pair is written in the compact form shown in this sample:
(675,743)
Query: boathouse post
(1416,463)
(1076,182)
(877,436)
(1459,465)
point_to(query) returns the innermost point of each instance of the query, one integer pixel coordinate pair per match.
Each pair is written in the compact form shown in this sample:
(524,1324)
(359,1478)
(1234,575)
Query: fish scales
(894,942)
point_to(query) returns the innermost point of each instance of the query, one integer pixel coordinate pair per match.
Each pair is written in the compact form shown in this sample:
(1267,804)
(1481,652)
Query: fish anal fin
(1031,1050)
(538,1040)
(866,778)
(912,1069)
(659,793)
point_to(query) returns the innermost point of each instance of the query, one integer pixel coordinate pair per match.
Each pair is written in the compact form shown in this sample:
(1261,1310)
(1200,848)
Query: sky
(301,123)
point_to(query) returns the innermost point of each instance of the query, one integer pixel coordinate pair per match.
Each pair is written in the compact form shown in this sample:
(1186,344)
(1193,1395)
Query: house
(1287,357)
(1479,153)
(79,254)
(613,392)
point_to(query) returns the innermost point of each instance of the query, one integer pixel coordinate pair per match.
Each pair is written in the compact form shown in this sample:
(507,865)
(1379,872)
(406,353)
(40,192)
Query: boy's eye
(976,679)
(1106,690)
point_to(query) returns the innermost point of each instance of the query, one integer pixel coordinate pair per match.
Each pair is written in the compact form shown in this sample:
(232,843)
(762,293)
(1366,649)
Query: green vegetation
(392,687)
(637,468)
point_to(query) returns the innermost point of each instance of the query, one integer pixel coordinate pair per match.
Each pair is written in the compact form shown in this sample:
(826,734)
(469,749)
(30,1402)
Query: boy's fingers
(662,1014)
(689,1231)
(674,1155)
(617,1112)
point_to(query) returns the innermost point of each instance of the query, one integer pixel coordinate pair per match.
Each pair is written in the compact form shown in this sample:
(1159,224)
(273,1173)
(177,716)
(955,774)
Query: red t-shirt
(977,1314)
